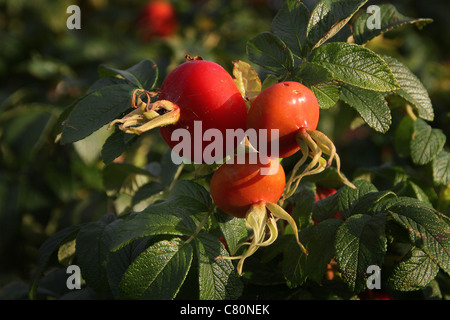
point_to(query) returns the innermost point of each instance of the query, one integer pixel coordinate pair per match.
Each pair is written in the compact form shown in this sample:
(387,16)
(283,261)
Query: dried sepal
(247,81)
(262,218)
(146,115)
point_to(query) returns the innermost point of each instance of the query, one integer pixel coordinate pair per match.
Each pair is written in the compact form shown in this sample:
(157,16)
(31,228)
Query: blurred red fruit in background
(157,19)
(374,295)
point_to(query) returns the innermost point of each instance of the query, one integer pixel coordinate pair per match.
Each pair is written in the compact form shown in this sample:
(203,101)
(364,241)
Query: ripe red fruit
(287,106)
(293,110)
(200,112)
(204,91)
(236,187)
(242,190)
(157,19)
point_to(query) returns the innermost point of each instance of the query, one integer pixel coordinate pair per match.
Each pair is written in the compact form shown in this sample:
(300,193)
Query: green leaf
(355,65)
(426,142)
(426,228)
(95,110)
(310,73)
(158,272)
(441,168)
(218,279)
(411,88)
(328,17)
(268,51)
(46,251)
(360,242)
(116,144)
(124,177)
(142,75)
(92,251)
(120,260)
(234,229)
(318,79)
(372,202)
(403,135)
(389,17)
(326,208)
(347,197)
(290,26)
(410,189)
(191,195)
(327,94)
(305,197)
(321,248)
(371,105)
(319,241)
(415,271)
(168,217)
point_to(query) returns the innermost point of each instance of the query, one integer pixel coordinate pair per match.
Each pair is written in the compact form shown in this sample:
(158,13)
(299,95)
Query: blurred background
(45,67)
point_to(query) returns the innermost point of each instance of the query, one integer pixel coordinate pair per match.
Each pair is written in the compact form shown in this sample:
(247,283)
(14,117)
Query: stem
(177,174)
(200,226)
(410,112)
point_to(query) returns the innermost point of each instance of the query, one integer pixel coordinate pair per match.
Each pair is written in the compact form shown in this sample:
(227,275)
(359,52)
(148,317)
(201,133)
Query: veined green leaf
(158,272)
(142,75)
(403,135)
(319,240)
(234,229)
(364,28)
(441,168)
(48,248)
(411,88)
(348,197)
(327,94)
(290,26)
(92,251)
(426,142)
(426,228)
(414,272)
(218,279)
(328,17)
(268,51)
(371,105)
(360,242)
(166,217)
(355,65)
(310,73)
(95,110)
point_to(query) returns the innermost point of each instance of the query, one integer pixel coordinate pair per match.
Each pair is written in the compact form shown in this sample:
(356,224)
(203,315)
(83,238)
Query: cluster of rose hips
(203,91)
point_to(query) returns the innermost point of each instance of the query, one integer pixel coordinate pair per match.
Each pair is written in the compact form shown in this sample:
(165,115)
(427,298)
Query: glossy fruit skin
(157,19)
(287,106)
(204,91)
(236,187)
